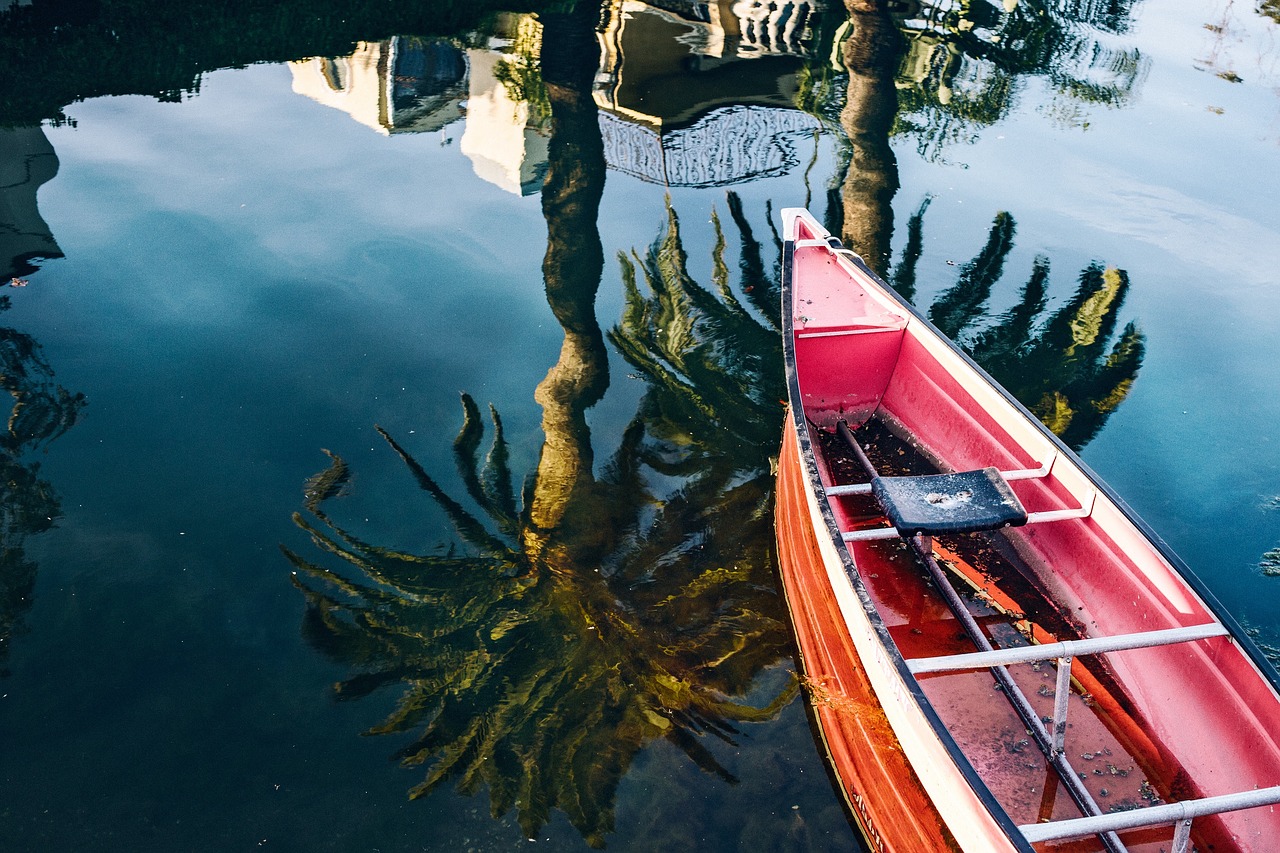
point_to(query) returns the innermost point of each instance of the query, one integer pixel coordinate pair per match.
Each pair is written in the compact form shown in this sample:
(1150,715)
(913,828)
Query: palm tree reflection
(599,610)
(937,73)
(1070,367)
(608,605)
(603,611)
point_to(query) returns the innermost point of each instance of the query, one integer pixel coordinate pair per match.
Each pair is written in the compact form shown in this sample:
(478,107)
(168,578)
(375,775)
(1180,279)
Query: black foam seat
(949,503)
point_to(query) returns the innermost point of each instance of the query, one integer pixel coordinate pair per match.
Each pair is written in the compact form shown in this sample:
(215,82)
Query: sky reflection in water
(573,626)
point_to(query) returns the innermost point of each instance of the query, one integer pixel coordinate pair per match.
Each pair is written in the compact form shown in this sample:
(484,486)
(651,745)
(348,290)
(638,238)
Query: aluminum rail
(1067,648)
(1063,652)
(1032,518)
(1179,814)
(1018,474)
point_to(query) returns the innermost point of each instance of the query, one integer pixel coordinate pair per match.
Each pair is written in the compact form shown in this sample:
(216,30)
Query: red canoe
(999,655)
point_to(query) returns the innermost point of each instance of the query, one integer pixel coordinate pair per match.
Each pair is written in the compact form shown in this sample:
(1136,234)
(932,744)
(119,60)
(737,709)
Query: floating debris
(1123,806)
(1015,747)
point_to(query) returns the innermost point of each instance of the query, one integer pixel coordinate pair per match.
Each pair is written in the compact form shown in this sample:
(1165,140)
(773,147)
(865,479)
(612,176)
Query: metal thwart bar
(850,489)
(1180,814)
(1182,836)
(838,333)
(1067,648)
(892,532)
(1017,474)
(1060,698)
(1064,652)
(873,533)
(1030,473)
(1083,511)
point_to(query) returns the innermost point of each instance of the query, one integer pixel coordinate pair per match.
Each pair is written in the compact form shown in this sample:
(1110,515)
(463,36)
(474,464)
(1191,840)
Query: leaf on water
(329,483)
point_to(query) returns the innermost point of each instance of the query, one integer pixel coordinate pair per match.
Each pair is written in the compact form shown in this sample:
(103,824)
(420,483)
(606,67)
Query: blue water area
(394,411)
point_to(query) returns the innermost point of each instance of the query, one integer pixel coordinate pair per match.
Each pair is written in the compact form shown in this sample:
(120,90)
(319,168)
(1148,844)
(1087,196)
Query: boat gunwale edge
(984,794)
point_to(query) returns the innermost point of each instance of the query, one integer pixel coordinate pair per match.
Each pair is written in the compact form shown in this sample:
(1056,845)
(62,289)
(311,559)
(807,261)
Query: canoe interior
(1145,726)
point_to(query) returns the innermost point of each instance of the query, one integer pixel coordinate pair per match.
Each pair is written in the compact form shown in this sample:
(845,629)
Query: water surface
(275,574)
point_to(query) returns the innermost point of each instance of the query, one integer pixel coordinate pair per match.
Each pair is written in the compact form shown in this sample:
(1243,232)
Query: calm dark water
(395,390)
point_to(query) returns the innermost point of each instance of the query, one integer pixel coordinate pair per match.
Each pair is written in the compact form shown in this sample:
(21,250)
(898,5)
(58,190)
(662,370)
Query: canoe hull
(905,749)
(880,788)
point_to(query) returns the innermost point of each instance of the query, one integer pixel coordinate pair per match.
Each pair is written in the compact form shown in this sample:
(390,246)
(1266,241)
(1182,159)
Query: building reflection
(39,410)
(410,85)
(27,161)
(508,113)
(392,86)
(960,61)
(704,94)
(690,94)
(668,70)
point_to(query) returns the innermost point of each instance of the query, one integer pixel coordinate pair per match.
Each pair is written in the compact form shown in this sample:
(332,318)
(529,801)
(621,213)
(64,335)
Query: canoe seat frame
(879,485)
(1051,742)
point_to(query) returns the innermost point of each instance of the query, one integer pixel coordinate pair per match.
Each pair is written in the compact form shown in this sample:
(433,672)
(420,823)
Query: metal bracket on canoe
(1178,814)
(836,249)
(1068,648)
(831,244)
(1083,511)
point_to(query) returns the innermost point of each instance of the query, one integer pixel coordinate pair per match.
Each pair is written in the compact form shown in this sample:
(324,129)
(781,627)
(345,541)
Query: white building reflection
(506,132)
(728,146)
(690,94)
(393,86)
